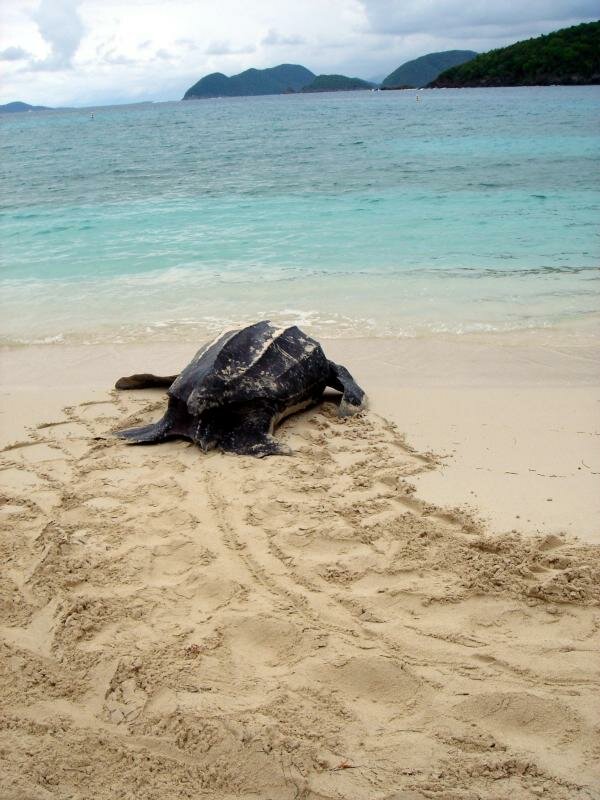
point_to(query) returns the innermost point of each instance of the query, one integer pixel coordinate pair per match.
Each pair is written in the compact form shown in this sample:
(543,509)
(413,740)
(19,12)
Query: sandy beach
(405,608)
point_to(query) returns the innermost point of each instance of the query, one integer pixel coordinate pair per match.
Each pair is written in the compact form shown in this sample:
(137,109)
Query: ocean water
(358,214)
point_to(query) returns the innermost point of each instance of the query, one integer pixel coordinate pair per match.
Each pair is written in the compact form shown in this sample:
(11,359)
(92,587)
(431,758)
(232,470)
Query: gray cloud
(61,27)
(275,38)
(112,57)
(449,17)
(14,54)
(223,48)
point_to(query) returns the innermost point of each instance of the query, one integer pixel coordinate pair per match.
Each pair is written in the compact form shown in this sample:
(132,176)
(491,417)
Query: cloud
(406,17)
(14,54)
(275,38)
(60,26)
(117,59)
(224,48)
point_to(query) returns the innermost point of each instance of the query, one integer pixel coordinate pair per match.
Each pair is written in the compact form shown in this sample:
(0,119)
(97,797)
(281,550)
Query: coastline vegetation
(570,56)
(421,71)
(337,83)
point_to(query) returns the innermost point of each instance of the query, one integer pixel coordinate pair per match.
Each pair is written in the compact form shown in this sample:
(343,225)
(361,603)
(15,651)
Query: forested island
(336,83)
(17,106)
(292,78)
(282,79)
(569,56)
(423,70)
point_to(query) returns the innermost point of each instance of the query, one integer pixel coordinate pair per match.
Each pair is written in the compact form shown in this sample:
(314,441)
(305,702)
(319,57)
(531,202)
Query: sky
(94,52)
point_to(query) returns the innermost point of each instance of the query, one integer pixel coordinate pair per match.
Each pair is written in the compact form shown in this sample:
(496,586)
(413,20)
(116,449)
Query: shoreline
(559,356)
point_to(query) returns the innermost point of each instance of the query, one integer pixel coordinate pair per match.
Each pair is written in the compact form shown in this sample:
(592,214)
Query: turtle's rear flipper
(149,434)
(144,381)
(173,424)
(353,397)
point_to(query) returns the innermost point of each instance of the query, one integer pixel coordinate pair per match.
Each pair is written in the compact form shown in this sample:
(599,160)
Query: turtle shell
(259,363)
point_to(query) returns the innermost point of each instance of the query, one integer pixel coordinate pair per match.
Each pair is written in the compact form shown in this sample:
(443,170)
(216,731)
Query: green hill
(423,70)
(11,108)
(336,83)
(275,80)
(569,56)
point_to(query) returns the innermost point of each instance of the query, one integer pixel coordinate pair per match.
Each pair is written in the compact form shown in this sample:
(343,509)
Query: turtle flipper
(149,434)
(174,423)
(353,397)
(144,381)
(248,432)
(259,448)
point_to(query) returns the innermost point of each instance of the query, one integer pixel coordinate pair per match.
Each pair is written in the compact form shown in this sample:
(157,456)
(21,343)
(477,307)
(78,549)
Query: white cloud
(273,37)
(61,27)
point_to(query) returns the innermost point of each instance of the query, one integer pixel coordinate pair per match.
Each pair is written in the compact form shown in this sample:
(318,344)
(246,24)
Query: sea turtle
(238,387)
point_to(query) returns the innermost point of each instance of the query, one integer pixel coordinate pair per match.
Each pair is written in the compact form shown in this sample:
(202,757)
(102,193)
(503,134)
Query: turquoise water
(360,214)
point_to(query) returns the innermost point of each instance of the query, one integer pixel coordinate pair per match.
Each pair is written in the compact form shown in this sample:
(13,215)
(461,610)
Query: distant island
(570,56)
(274,80)
(337,83)
(284,79)
(421,71)
(12,108)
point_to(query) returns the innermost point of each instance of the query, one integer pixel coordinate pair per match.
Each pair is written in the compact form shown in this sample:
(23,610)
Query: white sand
(516,423)
(175,624)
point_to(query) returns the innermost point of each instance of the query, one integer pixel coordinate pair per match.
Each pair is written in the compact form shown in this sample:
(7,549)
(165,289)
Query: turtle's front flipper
(144,381)
(259,448)
(248,432)
(353,397)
